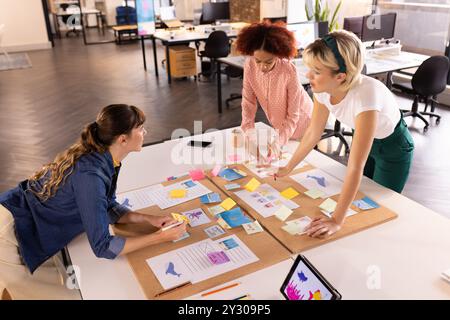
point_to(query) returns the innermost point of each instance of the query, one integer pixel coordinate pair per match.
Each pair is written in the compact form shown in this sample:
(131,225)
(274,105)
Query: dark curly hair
(270,37)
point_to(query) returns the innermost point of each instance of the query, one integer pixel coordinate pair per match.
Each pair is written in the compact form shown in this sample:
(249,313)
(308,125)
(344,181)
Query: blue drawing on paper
(171,270)
(320,180)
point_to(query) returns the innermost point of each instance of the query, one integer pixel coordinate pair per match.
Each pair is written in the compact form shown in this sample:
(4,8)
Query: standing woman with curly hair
(73,194)
(270,78)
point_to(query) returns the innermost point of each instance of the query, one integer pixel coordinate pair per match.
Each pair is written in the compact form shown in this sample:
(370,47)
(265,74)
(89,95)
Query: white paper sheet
(319,180)
(191,263)
(139,198)
(163,200)
(265,200)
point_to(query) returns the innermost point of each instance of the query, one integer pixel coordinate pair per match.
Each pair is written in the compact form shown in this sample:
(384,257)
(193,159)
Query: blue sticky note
(366,204)
(230,174)
(189,184)
(370,202)
(234,217)
(210,198)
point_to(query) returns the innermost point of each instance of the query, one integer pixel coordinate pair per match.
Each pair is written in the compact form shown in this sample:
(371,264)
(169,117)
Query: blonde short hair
(351,50)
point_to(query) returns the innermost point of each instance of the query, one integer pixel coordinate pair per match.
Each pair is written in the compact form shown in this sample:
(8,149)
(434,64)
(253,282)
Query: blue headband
(330,42)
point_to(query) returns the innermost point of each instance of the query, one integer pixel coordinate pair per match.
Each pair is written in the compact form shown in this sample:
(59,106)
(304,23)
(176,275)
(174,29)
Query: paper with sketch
(162,198)
(319,180)
(139,198)
(191,263)
(265,200)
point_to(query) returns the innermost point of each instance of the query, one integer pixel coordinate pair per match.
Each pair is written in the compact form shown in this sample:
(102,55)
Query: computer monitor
(305,33)
(213,11)
(354,24)
(378,26)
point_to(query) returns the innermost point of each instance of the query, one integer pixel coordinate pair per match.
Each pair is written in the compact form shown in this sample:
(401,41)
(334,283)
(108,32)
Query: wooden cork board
(308,207)
(264,246)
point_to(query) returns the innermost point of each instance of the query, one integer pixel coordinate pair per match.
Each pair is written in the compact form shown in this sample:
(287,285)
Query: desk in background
(183,37)
(85,12)
(401,259)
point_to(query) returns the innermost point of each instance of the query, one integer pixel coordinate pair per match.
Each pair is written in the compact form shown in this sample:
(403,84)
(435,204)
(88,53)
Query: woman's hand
(322,227)
(159,221)
(171,234)
(283,171)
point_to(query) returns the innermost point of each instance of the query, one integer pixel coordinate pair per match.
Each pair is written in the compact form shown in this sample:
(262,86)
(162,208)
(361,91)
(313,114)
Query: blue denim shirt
(84,203)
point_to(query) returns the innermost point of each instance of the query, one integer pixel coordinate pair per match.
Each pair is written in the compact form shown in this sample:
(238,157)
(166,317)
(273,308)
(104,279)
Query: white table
(408,253)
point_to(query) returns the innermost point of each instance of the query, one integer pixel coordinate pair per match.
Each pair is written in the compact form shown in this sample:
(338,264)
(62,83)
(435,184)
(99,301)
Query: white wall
(24,25)
(273,8)
(184,9)
(429,30)
(110,7)
(350,8)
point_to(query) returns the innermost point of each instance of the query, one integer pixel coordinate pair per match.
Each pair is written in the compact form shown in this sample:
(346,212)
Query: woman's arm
(135,243)
(249,106)
(310,139)
(365,125)
(299,109)
(137,217)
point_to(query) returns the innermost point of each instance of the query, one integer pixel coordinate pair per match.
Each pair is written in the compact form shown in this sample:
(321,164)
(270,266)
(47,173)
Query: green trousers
(390,158)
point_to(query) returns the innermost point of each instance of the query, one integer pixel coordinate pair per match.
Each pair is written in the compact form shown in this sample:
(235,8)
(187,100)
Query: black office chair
(429,80)
(233,72)
(216,46)
(338,132)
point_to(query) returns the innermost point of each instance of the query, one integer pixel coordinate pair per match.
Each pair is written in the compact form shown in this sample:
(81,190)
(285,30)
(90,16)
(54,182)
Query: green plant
(321,13)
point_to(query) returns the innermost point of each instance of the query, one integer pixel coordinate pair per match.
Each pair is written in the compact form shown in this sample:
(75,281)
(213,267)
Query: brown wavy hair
(270,37)
(113,121)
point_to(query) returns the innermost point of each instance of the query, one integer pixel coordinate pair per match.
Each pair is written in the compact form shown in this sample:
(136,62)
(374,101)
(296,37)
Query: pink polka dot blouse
(280,94)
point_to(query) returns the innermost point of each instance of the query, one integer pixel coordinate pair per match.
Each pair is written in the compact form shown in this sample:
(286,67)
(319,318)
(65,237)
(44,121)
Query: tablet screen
(303,284)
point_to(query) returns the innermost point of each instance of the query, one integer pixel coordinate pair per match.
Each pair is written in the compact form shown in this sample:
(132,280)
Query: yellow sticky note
(252,185)
(292,229)
(283,213)
(180,217)
(328,205)
(314,193)
(181,193)
(289,193)
(228,203)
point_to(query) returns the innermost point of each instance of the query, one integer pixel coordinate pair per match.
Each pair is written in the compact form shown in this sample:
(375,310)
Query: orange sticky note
(289,193)
(181,193)
(228,203)
(252,185)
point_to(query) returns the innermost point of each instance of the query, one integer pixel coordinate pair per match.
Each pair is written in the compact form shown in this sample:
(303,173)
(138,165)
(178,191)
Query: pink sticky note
(197,174)
(218,257)
(234,157)
(216,170)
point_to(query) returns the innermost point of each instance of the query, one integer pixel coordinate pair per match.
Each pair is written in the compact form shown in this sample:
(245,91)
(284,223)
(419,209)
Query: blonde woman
(73,194)
(382,146)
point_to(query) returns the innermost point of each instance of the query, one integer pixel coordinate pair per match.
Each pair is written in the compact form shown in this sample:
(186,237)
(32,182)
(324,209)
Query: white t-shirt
(368,94)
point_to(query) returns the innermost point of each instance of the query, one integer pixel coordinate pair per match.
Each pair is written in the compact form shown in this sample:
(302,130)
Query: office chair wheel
(425,129)
(438,121)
